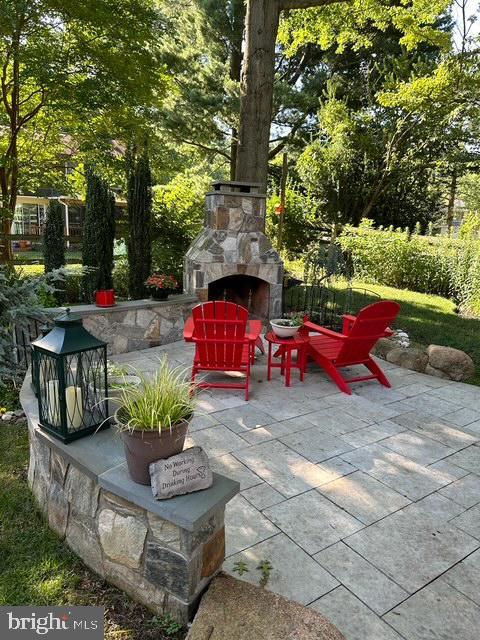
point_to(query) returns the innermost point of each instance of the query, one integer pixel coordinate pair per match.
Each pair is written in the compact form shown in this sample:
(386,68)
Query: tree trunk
(451,199)
(256,91)
(238,21)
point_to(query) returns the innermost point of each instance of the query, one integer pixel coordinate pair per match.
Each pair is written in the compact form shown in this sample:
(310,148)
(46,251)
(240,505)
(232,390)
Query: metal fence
(325,304)
(24,335)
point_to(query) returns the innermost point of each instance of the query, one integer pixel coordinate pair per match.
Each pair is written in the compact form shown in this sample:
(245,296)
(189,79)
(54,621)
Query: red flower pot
(105,298)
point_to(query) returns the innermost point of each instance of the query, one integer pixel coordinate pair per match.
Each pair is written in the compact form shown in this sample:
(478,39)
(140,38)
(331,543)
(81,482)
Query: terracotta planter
(159,294)
(144,447)
(105,298)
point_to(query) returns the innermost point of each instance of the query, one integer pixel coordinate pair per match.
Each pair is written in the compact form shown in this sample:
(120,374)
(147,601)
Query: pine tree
(98,235)
(53,243)
(139,204)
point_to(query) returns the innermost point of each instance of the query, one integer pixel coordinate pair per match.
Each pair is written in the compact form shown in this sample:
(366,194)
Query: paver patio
(367,506)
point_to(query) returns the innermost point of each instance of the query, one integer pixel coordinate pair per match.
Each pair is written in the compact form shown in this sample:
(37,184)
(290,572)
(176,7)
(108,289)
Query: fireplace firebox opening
(247,291)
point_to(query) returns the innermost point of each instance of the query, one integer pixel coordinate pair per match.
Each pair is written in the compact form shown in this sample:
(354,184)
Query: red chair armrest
(324,331)
(254,329)
(348,320)
(188,329)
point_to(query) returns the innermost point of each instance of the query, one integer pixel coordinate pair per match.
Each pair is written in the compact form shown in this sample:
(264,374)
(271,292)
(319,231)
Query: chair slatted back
(219,334)
(369,326)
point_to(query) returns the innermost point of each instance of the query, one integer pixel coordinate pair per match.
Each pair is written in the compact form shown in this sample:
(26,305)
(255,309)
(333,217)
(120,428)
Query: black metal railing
(24,335)
(326,304)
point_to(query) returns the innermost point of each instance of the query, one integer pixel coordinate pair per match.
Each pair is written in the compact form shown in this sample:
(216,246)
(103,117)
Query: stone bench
(163,554)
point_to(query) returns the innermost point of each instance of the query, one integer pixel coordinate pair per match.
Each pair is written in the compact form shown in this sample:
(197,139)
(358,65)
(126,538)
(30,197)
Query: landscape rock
(241,611)
(436,372)
(409,358)
(456,364)
(383,347)
(122,537)
(7,417)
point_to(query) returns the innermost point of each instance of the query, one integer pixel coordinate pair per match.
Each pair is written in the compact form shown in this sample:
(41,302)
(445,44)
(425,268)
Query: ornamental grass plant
(158,403)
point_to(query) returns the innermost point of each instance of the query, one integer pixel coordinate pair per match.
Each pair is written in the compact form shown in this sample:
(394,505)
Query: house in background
(29,223)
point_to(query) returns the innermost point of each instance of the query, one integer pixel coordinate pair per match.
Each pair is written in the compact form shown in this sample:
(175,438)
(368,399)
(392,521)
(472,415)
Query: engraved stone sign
(183,473)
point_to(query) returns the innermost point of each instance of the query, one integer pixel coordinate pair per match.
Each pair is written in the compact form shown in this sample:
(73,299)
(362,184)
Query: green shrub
(427,264)
(121,277)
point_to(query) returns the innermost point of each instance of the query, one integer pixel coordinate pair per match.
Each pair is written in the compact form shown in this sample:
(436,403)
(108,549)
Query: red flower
(161,281)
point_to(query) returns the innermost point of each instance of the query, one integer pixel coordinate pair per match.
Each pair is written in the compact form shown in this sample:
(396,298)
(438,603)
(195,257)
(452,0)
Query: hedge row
(398,258)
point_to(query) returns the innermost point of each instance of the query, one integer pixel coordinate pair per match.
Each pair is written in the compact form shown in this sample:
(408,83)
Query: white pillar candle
(53,404)
(74,402)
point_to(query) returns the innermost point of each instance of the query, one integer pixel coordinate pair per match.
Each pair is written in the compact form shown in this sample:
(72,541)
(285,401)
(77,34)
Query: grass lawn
(427,319)
(37,568)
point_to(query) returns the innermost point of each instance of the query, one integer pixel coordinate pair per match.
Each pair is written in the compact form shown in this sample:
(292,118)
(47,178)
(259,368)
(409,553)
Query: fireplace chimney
(232,258)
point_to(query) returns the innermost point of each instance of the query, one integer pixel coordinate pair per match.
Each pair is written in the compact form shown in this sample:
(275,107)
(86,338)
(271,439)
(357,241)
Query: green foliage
(98,235)
(53,243)
(177,218)
(20,301)
(301,220)
(159,403)
(240,567)
(437,265)
(139,203)
(121,277)
(265,567)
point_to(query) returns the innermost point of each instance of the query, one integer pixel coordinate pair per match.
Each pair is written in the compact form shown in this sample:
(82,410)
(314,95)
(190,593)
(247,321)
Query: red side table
(299,344)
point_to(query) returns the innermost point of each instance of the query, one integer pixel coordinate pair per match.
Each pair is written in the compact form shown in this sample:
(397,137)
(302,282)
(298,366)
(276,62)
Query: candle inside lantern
(53,405)
(74,402)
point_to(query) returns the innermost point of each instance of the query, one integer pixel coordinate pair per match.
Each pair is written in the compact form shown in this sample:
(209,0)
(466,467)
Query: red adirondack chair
(332,350)
(222,342)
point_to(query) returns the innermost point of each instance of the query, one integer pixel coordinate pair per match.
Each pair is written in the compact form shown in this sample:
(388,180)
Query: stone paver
(217,440)
(465,577)
(294,575)
(368,583)
(372,433)
(398,472)
(229,466)
(417,447)
(468,459)
(400,545)
(367,506)
(316,445)
(263,496)
(363,497)
(465,491)
(246,525)
(360,623)
(469,521)
(241,419)
(284,469)
(312,521)
(436,612)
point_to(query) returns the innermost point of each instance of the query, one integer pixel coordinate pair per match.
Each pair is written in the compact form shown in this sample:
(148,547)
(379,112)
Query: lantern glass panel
(72,391)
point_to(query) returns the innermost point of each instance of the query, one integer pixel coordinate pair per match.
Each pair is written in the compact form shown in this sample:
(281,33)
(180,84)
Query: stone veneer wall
(136,324)
(155,561)
(163,554)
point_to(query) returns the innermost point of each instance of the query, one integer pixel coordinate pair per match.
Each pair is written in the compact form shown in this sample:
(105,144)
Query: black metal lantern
(70,374)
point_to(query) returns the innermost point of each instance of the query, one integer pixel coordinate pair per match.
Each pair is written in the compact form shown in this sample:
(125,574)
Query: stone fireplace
(232,258)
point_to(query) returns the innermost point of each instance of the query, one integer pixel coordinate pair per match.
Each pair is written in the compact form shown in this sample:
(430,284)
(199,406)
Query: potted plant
(160,285)
(118,379)
(153,419)
(286,327)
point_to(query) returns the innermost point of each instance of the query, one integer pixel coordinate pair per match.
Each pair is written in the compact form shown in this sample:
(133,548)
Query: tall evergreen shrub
(98,235)
(139,204)
(53,243)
